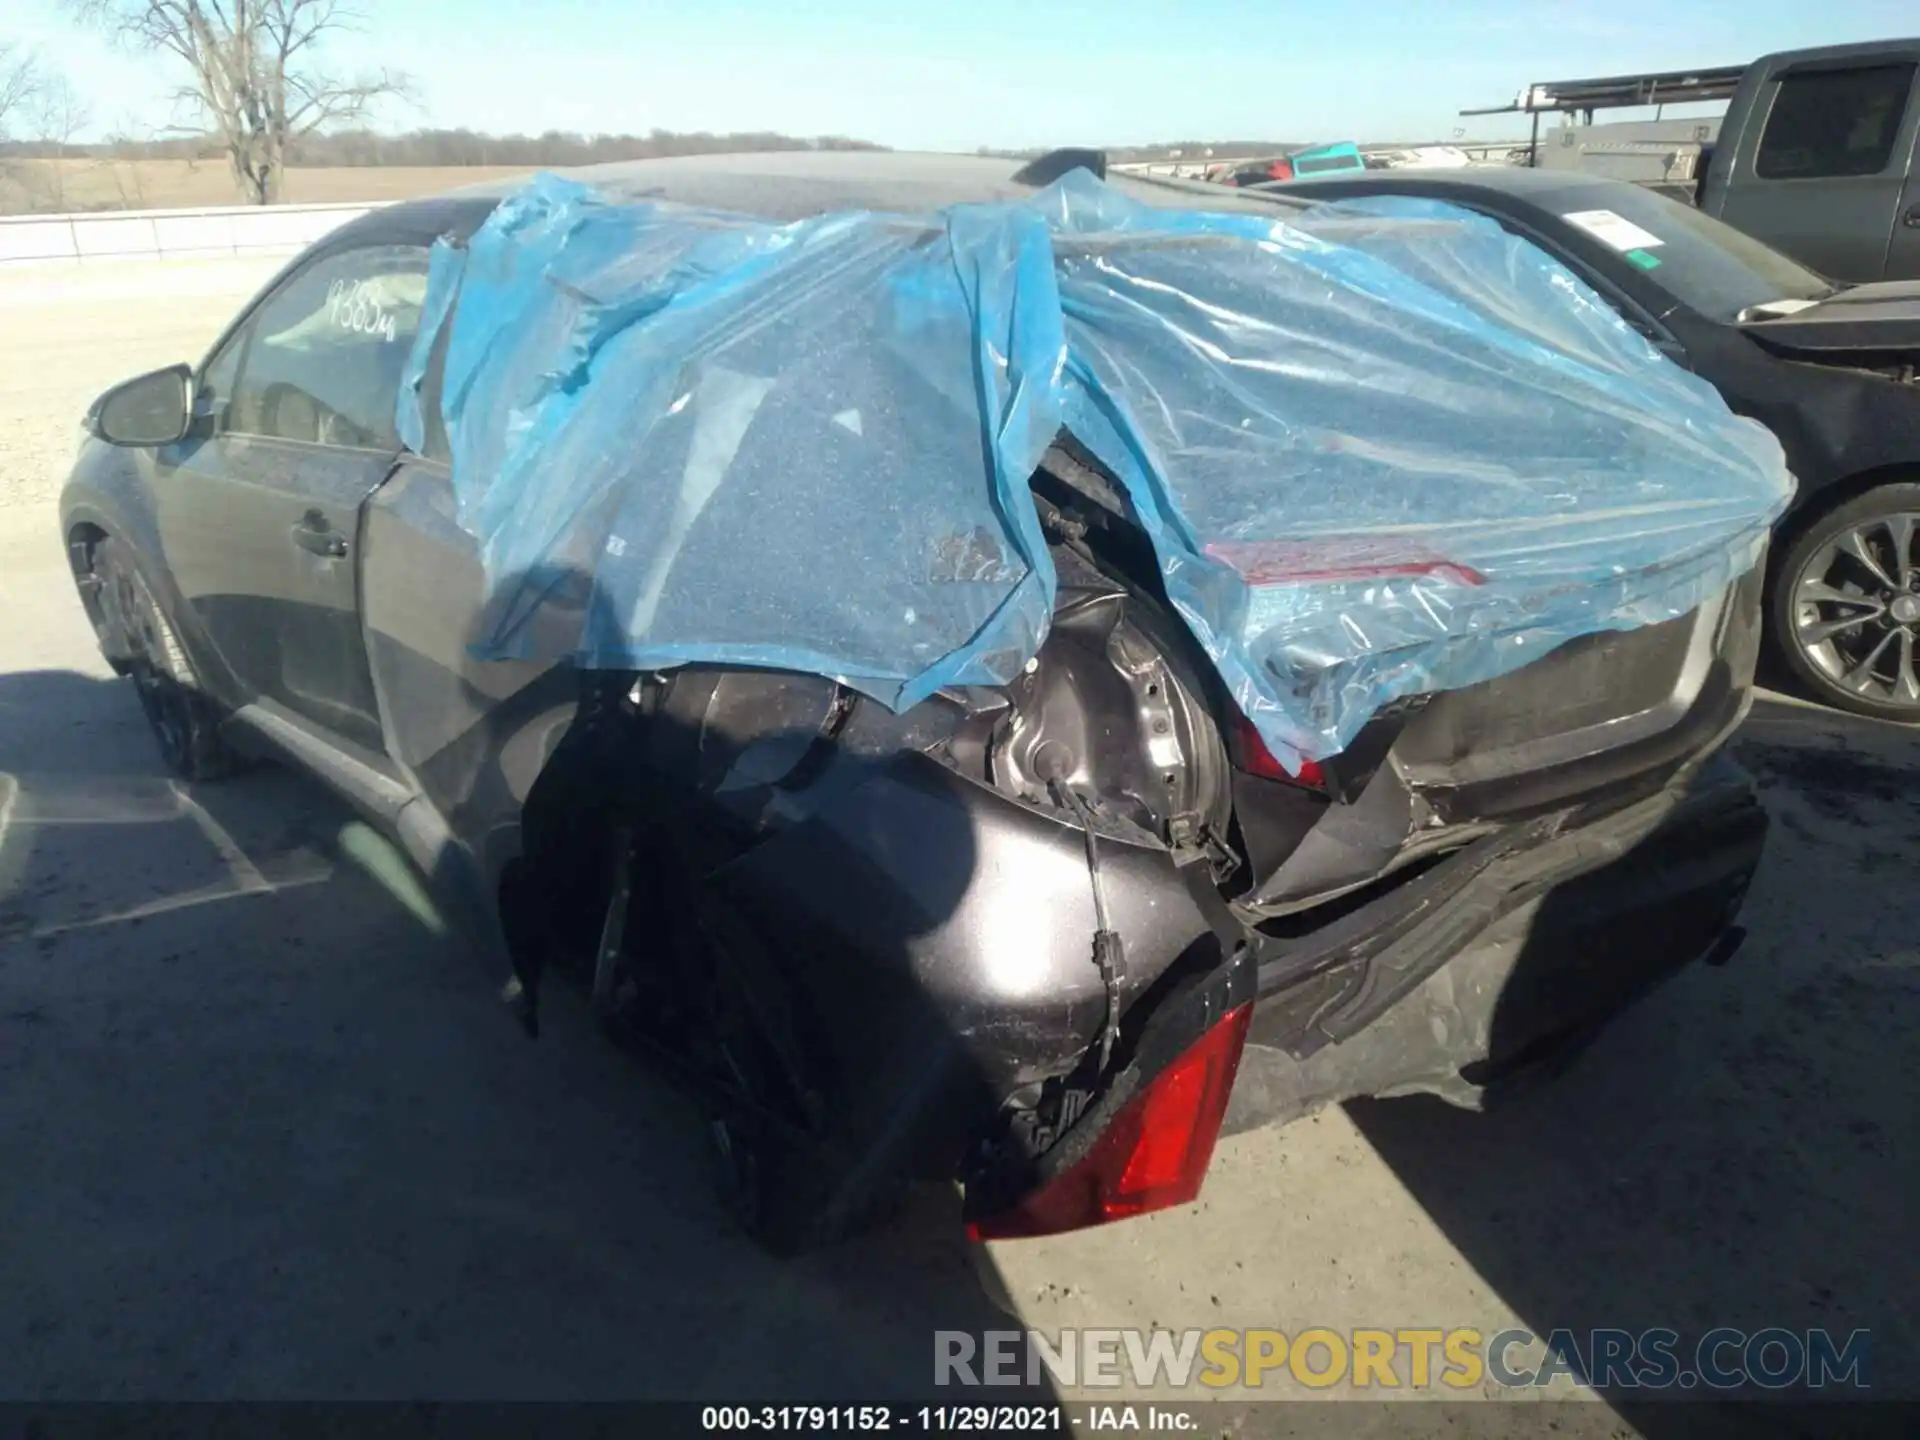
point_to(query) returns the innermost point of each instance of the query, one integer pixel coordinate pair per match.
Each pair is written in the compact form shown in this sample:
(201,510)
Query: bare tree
(127,148)
(20,83)
(254,70)
(57,116)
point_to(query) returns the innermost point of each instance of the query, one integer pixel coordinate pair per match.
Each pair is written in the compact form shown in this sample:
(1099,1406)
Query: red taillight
(1152,1157)
(1257,759)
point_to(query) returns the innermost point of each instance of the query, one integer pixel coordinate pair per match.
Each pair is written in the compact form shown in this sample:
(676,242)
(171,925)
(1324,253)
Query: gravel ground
(67,332)
(266,1135)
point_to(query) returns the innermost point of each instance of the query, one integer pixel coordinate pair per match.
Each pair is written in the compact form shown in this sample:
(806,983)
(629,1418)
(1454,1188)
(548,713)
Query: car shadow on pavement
(1741,1149)
(268,1133)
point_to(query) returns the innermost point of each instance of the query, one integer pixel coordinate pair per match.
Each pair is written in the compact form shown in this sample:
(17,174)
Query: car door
(1827,177)
(1903,253)
(259,510)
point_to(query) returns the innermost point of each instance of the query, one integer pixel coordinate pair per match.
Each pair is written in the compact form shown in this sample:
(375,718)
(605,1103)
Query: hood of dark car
(1884,316)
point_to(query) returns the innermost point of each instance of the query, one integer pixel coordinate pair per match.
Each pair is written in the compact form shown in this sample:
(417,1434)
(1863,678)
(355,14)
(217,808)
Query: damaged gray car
(986,674)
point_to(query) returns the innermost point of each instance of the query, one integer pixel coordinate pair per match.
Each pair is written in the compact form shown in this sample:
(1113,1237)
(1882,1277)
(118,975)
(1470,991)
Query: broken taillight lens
(1153,1156)
(1257,759)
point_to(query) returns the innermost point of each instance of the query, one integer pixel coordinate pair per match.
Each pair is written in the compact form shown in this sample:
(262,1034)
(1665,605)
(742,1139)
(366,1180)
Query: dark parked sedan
(1833,371)
(1023,936)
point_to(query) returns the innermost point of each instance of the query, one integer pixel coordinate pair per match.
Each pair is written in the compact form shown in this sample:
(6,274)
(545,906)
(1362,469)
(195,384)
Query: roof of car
(785,185)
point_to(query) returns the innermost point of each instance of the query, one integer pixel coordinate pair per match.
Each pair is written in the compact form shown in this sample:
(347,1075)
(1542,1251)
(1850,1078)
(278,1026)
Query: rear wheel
(687,986)
(185,724)
(1846,606)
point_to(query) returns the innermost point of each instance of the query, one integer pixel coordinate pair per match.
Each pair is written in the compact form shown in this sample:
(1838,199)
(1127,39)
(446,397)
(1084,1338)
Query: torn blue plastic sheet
(1380,448)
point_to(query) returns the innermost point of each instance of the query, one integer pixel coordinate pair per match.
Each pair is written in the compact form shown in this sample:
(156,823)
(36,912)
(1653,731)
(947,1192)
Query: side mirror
(151,409)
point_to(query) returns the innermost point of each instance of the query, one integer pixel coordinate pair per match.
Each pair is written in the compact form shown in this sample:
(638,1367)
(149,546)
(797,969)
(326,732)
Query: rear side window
(1834,122)
(325,355)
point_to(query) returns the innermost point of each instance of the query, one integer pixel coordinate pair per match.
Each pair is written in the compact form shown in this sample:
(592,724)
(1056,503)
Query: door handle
(328,543)
(1912,218)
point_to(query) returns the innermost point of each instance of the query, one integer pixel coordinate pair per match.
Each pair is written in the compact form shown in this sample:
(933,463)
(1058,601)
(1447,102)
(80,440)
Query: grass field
(59,185)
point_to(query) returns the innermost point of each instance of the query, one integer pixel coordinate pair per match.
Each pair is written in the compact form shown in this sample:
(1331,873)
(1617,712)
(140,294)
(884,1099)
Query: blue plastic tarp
(1380,448)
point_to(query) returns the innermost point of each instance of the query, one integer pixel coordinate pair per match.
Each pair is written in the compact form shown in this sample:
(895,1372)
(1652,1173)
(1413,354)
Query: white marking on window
(354,305)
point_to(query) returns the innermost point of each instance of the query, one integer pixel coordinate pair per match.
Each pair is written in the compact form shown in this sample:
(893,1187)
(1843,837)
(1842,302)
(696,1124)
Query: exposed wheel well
(1829,498)
(83,538)
(80,542)
(552,896)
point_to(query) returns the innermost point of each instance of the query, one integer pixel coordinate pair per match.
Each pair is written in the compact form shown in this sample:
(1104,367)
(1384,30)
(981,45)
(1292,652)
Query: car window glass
(325,355)
(1834,122)
(1706,265)
(217,379)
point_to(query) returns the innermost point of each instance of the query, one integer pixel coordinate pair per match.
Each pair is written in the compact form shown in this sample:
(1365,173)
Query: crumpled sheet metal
(1380,448)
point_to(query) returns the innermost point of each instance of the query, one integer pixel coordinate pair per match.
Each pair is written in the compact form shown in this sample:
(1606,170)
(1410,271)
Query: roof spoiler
(1056,163)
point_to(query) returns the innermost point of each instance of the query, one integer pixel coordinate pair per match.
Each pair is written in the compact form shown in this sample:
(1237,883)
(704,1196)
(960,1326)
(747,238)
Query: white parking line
(245,873)
(168,903)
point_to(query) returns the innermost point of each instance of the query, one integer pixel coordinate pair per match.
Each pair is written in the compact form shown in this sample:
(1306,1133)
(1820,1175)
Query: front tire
(1844,612)
(185,724)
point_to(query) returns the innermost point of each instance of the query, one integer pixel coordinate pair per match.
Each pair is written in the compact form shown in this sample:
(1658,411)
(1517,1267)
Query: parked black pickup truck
(1815,155)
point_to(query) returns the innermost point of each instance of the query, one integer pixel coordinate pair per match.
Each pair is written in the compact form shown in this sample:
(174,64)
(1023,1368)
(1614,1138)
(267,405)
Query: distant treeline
(447,147)
(1174,149)
(559,147)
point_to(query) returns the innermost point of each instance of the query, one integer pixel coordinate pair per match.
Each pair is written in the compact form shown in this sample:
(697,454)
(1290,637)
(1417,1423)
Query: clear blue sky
(996,72)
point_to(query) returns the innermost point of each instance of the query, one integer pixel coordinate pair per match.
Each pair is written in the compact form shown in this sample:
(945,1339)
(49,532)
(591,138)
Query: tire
(185,723)
(1844,606)
(783,1199)
(773,1168)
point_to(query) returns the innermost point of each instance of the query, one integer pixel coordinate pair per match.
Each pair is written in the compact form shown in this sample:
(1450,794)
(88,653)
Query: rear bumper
(1504,954)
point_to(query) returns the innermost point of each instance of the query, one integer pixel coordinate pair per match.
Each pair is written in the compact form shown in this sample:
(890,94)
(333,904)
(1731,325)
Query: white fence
(168,234)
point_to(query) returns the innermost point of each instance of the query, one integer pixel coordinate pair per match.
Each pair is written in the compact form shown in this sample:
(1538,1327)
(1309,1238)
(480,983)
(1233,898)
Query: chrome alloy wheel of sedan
(1856,612)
